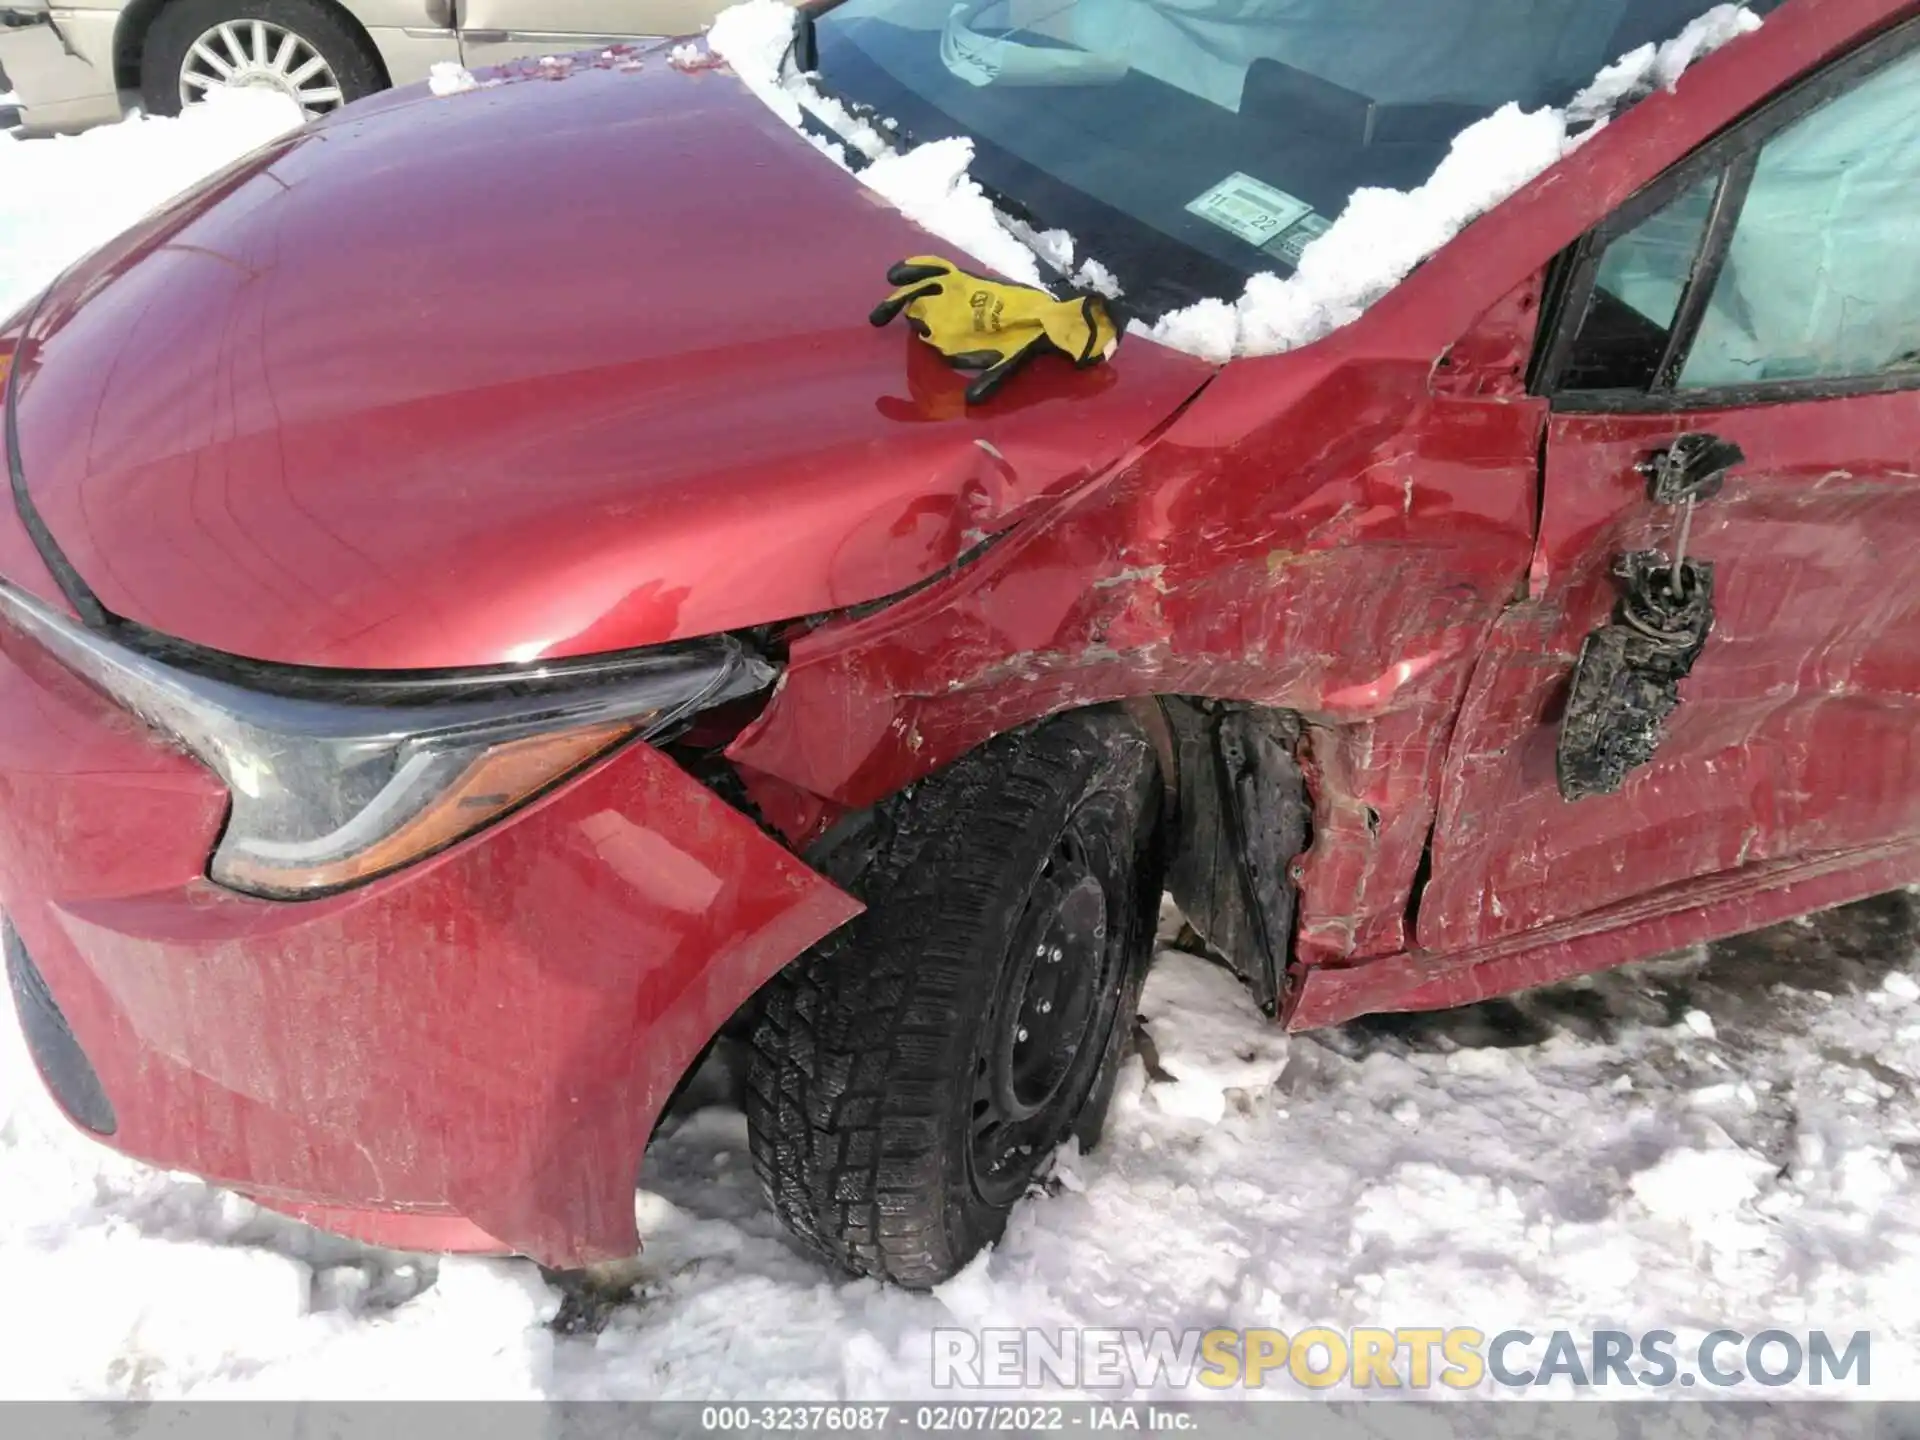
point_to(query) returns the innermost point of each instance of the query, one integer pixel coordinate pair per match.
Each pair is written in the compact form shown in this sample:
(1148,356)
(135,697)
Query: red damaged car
(482,609)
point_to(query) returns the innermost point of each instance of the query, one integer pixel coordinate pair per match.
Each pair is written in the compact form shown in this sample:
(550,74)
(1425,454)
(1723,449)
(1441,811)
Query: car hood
(574,361)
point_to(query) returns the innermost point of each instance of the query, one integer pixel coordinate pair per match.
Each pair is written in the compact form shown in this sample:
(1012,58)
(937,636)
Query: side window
(1822,279)
(1636,295)
(1796,260)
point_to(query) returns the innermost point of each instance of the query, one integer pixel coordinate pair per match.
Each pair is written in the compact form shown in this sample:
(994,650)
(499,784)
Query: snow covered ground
(1718,1139)
(61,198)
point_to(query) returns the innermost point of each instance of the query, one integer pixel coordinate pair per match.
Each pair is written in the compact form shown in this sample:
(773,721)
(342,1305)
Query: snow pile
(1383,234)
(928,184)
(449,77)
(756,39)
(61,198)
(1638,73)
(1374,245)
(1056,247)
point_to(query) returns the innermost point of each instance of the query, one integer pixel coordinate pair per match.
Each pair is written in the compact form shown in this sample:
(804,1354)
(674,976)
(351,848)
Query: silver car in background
(75,65)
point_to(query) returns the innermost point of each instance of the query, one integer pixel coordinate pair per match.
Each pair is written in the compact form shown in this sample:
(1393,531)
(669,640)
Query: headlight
(335,781)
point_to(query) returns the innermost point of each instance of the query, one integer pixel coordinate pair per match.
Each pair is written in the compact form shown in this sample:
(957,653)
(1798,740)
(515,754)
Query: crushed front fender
(470,1053)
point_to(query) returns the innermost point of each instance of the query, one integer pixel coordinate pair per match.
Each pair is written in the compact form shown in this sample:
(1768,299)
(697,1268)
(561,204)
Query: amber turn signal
(495,782)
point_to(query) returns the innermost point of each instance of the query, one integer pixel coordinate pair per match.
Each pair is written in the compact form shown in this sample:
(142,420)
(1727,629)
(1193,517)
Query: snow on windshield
(1383,234)
(1373,245)
(928,184)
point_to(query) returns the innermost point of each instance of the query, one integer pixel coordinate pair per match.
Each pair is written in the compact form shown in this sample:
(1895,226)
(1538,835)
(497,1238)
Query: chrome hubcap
(258,53)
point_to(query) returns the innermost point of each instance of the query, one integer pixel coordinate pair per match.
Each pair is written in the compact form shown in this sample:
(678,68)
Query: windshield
(1192,143)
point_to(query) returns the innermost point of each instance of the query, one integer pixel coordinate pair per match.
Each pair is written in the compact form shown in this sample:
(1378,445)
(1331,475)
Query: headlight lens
(334,784)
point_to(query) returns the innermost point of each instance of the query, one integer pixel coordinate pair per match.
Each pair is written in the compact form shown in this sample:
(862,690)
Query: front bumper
(468,1054)
(60,63)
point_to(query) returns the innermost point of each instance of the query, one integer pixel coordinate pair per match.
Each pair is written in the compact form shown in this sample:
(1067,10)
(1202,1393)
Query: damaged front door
(1730,535)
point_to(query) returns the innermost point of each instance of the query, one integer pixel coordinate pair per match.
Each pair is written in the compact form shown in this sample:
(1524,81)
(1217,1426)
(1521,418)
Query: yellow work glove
(990,325)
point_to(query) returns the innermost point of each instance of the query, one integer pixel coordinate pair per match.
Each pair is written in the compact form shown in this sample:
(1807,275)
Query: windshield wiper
(802,52)
(804,55)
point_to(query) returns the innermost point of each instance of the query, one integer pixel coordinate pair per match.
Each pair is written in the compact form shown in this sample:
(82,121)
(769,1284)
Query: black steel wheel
(1053,1007)
(912,1072)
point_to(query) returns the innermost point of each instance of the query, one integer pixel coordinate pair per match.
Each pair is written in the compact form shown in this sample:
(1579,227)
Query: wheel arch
(1235,818)
(136,23)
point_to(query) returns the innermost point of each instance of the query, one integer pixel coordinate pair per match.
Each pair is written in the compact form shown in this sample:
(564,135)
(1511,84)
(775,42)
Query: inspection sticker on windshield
(1250,208)
(1292,243)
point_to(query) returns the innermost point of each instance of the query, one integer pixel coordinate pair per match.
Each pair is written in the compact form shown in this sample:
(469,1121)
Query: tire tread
(854,1056)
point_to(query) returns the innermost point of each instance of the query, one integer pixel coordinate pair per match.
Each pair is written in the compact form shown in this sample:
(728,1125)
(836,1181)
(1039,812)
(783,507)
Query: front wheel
(305,49)
(912,1072)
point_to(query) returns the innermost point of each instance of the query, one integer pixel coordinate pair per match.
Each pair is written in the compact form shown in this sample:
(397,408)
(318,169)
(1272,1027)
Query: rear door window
(1785,258)
(1822,277)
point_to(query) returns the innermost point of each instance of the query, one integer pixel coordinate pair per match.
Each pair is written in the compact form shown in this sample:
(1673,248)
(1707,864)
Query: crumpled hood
(565,364)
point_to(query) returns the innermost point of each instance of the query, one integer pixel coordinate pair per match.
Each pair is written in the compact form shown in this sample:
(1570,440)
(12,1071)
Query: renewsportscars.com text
(1399,1358)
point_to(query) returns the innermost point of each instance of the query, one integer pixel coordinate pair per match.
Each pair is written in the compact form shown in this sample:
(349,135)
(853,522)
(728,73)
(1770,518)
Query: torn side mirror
(1693,468)
(1627,679)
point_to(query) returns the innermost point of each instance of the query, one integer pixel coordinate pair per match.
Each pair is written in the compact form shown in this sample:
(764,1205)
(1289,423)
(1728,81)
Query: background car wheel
(910,1073)
(303,48)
